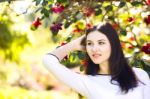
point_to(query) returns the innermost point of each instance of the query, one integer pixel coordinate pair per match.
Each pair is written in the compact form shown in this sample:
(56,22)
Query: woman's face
(98,47)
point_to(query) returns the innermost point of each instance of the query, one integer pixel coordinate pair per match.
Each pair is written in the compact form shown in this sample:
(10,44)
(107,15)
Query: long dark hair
(119,68)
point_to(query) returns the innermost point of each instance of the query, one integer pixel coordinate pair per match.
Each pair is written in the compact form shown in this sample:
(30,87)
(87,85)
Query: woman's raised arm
(74,80)
(74,45)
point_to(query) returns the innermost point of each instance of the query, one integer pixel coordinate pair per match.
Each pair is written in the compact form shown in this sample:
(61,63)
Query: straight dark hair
(119,68)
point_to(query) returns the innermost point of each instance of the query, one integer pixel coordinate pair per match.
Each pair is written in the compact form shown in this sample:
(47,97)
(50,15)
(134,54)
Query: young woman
(108,75)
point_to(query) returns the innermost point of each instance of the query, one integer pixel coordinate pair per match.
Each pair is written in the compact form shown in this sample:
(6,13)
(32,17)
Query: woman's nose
(95,48)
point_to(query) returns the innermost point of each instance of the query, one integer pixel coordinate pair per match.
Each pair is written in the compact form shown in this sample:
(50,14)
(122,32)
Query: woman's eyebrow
(98,40)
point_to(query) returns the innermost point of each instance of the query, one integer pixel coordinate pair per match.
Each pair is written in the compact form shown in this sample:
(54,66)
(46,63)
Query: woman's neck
(104,68)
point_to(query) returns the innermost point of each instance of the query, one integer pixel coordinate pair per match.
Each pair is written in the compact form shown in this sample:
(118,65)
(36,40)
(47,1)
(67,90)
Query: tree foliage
(68,19)
(12,42)
(126,16)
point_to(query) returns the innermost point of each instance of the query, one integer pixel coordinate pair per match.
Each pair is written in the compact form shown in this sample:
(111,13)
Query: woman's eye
(101,43)
(88,43)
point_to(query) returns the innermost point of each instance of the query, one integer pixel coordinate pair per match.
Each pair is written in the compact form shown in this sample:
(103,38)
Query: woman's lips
(96,55)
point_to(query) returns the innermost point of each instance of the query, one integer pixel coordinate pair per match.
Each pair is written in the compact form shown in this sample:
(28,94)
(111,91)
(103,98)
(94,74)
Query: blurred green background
(22,74)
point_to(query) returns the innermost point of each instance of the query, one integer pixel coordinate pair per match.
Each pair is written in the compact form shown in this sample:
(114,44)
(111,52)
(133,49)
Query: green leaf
(74,20)
(78,15)
(38,2)
(54,37)
(136,3)
(38,9)
(122,4)
(141,41)
(44,3)
(98,12)
(81,68)
(33,28)
(97,6)
(69,39)
(50,1)
(67,24)
(81,25)
(109,8)
(123,32)
(72,57)
(55,33)
(81,55)
(45,12)
(61,1)
(111,17)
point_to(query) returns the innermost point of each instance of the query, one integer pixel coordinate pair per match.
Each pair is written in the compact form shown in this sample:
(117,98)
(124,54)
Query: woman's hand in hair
(77,43)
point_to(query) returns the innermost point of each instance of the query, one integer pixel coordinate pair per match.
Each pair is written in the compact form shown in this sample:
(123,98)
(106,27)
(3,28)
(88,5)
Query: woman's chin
(96,62)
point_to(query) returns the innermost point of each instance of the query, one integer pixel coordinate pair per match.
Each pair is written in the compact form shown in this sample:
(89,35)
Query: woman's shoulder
(139,71)
(141,74)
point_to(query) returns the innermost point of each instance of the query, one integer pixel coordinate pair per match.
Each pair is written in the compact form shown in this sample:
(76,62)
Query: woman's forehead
(96,35)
